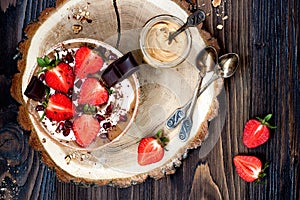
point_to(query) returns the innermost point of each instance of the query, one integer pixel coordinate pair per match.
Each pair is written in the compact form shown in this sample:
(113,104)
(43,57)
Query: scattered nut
(68,159)
(220,27)
(216,3)
(76,28)
(225,17)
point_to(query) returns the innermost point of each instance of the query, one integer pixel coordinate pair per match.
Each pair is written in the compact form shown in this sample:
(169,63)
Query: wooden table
(266,36)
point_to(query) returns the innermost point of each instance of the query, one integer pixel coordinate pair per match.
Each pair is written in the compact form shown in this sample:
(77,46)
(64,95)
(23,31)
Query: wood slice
(161,90)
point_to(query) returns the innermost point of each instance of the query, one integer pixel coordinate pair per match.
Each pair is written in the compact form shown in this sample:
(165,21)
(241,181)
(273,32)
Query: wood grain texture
(266,36)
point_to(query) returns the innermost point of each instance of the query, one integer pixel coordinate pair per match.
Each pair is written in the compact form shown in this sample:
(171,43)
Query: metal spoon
(206,59)
(224,69)
(193,20)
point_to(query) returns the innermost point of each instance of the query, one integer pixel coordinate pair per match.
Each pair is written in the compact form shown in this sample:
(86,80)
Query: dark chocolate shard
(35,89)
(119,70)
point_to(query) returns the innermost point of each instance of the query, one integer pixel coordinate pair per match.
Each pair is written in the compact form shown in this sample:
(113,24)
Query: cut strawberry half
(87,62)
(151,149)
(256,131)
(85,129)
(93,93)
(59,107)
(249,168)
(60,78)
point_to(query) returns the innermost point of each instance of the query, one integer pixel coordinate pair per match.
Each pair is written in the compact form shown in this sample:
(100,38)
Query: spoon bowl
(228,64)
(207,59)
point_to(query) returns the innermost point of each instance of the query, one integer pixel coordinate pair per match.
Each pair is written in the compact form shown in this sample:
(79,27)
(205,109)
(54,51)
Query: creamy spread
(158,46)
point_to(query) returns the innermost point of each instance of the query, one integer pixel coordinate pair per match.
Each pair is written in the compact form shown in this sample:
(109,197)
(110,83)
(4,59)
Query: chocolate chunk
(35,89)
(119,70)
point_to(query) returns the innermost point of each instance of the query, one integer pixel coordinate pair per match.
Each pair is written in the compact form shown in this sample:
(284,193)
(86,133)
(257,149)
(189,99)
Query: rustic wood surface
(266,36)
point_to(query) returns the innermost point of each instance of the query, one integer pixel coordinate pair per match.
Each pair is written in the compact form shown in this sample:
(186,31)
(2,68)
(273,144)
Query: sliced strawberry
(256,132)
(151,149)
(60,78)
(87,62)
(249,168)
(85,129)
(92,92)
(59,107)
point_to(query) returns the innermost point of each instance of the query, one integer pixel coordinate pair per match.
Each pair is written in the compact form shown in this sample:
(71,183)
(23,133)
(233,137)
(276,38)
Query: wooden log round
(160,92)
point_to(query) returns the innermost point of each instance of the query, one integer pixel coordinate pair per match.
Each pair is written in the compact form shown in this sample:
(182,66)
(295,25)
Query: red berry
(151,149)
(68,124)
(107,125)
(78,83)
(87,62)
(39,108)
(109,108)
(100,117)
(256,132)
(249,168)
(93,93)
(42,77)
(123,118)
(59,107)
(66,132)
(60,127)
(60,78)
(85,129)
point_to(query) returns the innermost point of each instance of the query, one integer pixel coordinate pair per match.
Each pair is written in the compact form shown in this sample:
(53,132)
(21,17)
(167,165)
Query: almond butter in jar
(155,46)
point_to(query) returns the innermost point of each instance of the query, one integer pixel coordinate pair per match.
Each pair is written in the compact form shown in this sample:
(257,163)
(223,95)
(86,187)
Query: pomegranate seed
(60,127)
(78,83)
(101,49)
(70,91)
(42,77)
(103,135)
(74,96)
(106,125)
(109,108)
(66,132)
(79,108)
(112,56)
(69,58)
(100,117)
(123,118)
(39,108)
(68,124)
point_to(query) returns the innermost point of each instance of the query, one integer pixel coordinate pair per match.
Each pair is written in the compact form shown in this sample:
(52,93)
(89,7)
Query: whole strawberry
(257,131)
(249,168)
(151,149)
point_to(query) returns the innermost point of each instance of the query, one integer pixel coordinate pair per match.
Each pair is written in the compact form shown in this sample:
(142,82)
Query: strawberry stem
(262,174)
(161,139)
(43,116)
(265,120)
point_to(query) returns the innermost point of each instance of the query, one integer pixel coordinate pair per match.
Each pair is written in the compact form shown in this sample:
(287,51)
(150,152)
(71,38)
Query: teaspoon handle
(177,32)
(187,123)
(179,114)
(193,20)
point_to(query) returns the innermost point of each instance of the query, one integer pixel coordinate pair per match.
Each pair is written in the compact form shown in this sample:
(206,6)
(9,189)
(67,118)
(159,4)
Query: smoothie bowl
(67,101)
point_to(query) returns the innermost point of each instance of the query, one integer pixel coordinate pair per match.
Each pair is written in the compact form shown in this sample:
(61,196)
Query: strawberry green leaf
(41,62)
(268,117)
(47,60)
(159,133)
(265,121)
(47,92)
(109,90)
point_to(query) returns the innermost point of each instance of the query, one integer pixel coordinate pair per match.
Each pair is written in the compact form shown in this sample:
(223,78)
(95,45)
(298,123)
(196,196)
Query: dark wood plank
(266,36)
